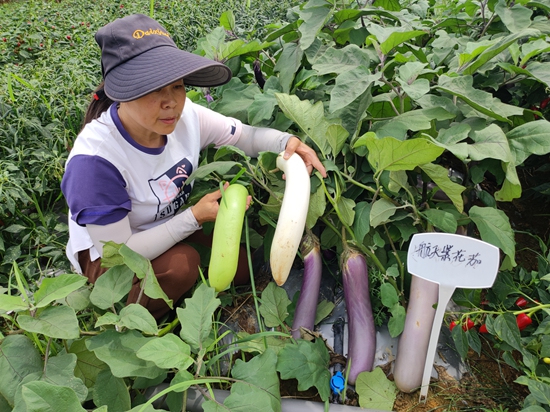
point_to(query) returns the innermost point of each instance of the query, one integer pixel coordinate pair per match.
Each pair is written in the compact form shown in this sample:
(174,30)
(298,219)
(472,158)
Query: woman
(124,178)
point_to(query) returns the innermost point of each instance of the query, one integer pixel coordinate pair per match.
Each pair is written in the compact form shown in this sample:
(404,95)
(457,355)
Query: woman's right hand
(206,209)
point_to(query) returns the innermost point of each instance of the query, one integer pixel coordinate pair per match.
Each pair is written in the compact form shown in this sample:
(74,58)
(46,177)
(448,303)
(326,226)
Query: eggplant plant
(413,118)
(396,100)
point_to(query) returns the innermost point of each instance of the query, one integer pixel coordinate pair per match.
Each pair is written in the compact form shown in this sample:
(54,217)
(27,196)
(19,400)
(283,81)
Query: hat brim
(160,67)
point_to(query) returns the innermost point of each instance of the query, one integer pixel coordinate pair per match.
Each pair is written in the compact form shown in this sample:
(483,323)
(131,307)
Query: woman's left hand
(308,155)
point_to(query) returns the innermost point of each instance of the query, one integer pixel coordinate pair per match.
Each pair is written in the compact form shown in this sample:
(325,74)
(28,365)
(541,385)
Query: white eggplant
(412,347)
(292,217)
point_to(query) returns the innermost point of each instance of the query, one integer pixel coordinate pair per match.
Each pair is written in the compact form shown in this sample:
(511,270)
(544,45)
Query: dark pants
(177,270)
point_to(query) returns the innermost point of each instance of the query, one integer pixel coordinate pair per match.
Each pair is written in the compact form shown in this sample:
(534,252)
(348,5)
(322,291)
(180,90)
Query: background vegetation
(50,66)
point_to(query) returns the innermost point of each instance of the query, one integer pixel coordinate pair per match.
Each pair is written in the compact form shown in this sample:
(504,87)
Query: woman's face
(154,115)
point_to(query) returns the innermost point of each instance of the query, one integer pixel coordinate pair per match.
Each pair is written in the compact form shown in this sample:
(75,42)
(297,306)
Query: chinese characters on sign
(447,253)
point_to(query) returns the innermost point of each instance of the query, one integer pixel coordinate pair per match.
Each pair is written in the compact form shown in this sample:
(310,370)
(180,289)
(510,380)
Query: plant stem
(252,282)
(399,263)
(168,327)
(47,355)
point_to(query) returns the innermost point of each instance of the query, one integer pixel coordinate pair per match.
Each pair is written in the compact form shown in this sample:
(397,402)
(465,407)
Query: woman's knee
(179,265)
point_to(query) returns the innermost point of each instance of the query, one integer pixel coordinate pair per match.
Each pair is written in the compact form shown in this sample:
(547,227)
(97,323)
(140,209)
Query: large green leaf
(528,139)
(112,392)
(349,86)
(399,37)
(213,42)
(18,358)
(417,88)
(381,211)
(511,188)
(54,321)
(239,48)
(237,101)
(310,118)
(353,14)
(262,108)
(317,205)
(118,350)
(353,113)
(112,286)
(57,287)
(144,270)
(490,142)
(342,60)
(501,44)
(336,137)
(480,100)
(440,177)
(506,328)
(392,154)
(375,390)
(314,15)
(451,139)
(196,317)
(59,371)
(515,18)
(288,64)
(308,363)
(168,352)
(494,228)
(257,388)
(442,220)
(274,307)
(540,71)
(135,316)
(415,120)
(361,225)
(40,396)
(346,207)
(15,303)
(392,5)
(213,167)
(540,390)
(88,365)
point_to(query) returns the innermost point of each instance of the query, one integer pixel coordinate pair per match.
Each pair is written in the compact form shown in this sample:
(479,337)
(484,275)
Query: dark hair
(99,104)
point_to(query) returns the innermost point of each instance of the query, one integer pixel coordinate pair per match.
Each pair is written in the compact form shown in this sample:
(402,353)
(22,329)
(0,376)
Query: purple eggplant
(361,329)
(304,316)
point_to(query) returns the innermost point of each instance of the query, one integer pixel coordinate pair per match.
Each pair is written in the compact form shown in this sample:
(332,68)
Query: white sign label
(452,261)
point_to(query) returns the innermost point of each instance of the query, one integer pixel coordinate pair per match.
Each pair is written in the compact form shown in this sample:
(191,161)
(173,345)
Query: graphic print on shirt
(168,189)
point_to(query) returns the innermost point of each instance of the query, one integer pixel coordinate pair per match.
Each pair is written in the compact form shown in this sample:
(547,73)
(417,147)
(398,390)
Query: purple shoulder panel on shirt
(95,191)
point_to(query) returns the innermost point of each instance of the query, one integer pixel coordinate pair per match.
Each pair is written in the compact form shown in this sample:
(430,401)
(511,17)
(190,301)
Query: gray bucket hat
(138,56)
